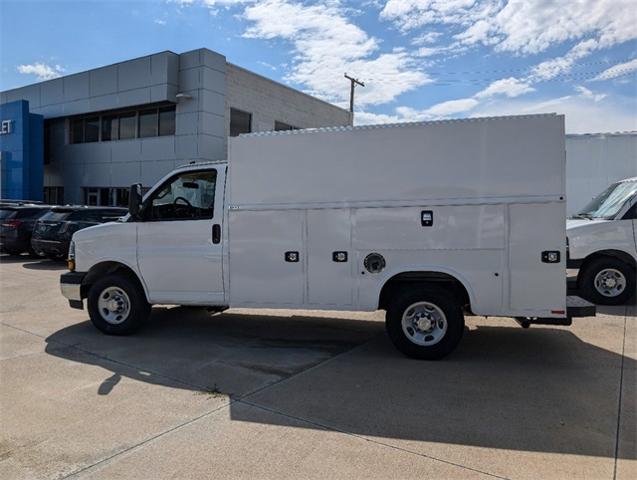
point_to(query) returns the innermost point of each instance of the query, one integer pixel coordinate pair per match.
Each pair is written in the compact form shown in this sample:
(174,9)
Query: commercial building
(86,137)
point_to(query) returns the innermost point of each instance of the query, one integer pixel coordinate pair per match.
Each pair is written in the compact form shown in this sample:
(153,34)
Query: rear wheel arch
(433,278)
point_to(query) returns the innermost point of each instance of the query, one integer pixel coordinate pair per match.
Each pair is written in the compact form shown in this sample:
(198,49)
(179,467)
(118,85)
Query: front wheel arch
(102,269)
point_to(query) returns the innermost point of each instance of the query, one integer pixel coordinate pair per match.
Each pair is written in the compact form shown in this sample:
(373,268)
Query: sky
(419,59)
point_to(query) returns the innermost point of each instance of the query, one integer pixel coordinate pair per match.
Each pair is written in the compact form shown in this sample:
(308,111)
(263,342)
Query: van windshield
(608,203)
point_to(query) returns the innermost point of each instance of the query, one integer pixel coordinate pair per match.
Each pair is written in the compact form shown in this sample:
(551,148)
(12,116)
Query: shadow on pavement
(4,258)
(47,264)
(541,389)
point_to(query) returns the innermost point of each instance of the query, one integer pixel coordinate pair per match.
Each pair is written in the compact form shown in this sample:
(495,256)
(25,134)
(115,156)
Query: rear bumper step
(575,307)
(578,307)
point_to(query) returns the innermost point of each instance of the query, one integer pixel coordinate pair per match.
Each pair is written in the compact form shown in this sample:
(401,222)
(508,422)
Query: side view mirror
(135,200)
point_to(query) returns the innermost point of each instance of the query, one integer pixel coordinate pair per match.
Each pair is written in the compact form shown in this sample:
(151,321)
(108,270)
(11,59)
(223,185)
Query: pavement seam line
(108,359)
(148,440)
(619,401)
(367,439)
(184,424)
(231,402)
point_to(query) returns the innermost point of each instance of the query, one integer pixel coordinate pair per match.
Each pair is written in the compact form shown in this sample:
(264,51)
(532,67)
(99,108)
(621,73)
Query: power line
(523,69)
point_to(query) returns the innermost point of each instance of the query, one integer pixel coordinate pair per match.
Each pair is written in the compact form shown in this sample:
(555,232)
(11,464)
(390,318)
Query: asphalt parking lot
(284,394)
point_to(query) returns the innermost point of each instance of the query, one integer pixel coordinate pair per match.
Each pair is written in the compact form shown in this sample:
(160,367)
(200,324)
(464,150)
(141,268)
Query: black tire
(13,253)
(139,307)
(586,281)
(441,298)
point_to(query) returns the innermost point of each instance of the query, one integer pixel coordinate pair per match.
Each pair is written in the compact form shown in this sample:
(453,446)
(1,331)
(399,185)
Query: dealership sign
(6,127)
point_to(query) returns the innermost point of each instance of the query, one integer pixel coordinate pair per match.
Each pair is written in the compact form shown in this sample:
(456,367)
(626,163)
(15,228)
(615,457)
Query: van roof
(349,128)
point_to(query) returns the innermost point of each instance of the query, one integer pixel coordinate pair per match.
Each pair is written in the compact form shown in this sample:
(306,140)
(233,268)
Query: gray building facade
(136,120)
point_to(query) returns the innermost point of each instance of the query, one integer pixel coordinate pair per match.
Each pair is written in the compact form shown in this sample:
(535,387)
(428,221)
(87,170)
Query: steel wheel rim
(424,323)
(610,282)
(114,305)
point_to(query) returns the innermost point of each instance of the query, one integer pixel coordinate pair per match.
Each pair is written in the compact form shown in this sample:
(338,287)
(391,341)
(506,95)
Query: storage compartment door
(259,271)
(329,278)
(537,287)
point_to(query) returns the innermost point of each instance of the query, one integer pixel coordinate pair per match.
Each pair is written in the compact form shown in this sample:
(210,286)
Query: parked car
(16,226)
(21,202)
(427,221)
(53,231)
(602,244)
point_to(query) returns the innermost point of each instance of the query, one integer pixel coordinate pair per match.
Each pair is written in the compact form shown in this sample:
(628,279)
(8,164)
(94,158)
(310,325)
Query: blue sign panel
(21,152)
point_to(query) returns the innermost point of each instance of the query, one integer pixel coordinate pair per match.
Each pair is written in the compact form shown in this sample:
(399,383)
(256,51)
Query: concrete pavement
(282,394)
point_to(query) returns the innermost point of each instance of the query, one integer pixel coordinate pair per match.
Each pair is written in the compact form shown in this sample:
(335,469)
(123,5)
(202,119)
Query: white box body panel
(468,159)
(495,187)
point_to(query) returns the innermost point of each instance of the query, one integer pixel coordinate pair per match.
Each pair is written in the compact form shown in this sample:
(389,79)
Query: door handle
(216,233)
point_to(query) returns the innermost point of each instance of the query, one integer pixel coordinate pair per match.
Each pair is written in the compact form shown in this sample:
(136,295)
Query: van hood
(95,230)
(579,223)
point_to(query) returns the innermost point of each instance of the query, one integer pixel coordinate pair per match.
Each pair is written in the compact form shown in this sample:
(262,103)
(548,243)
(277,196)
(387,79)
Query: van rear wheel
(117,305)
(425,322)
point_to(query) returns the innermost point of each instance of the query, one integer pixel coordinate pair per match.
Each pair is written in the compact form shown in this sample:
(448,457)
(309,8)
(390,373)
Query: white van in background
(427,221)
(602,244)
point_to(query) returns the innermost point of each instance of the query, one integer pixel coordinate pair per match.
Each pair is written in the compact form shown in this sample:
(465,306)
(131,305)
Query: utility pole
(354,82)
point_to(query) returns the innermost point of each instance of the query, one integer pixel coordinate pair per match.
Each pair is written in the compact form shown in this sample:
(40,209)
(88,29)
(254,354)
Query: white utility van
(602,244)
(425,220)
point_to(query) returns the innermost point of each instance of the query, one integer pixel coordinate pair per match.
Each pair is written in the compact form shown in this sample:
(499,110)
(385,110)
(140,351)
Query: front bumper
(50,247)
(71,287)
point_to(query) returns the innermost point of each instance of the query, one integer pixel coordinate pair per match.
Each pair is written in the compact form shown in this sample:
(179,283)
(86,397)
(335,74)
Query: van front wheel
(117,305)
(425,323)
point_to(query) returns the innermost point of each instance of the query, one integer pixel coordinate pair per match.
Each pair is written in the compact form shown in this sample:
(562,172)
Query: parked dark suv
(16,225)
(53,231)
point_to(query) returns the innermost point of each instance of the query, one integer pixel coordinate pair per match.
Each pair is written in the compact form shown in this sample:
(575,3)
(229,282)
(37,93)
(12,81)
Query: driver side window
(186,196)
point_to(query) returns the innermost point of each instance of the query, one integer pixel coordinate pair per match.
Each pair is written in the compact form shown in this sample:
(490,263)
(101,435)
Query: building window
(283,126)
(148,123)
(122,125)
(54,195)
(106,196)
(167,121)
(127,126)
(77,130)
(110,128)
(240,122)
(92,129)
(47,142)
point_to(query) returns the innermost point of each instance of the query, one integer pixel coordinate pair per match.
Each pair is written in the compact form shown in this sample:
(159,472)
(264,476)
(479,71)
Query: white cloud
(520,26)
(587,93)
(410,14)
(511,87)
(617,70)
(426,38)
(159,21)
(327,44)
(41,70)
(452,107)
(370,118)
(557,66)
(583,115)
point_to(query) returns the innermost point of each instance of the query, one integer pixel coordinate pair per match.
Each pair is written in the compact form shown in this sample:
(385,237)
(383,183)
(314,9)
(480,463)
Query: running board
(575,307)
